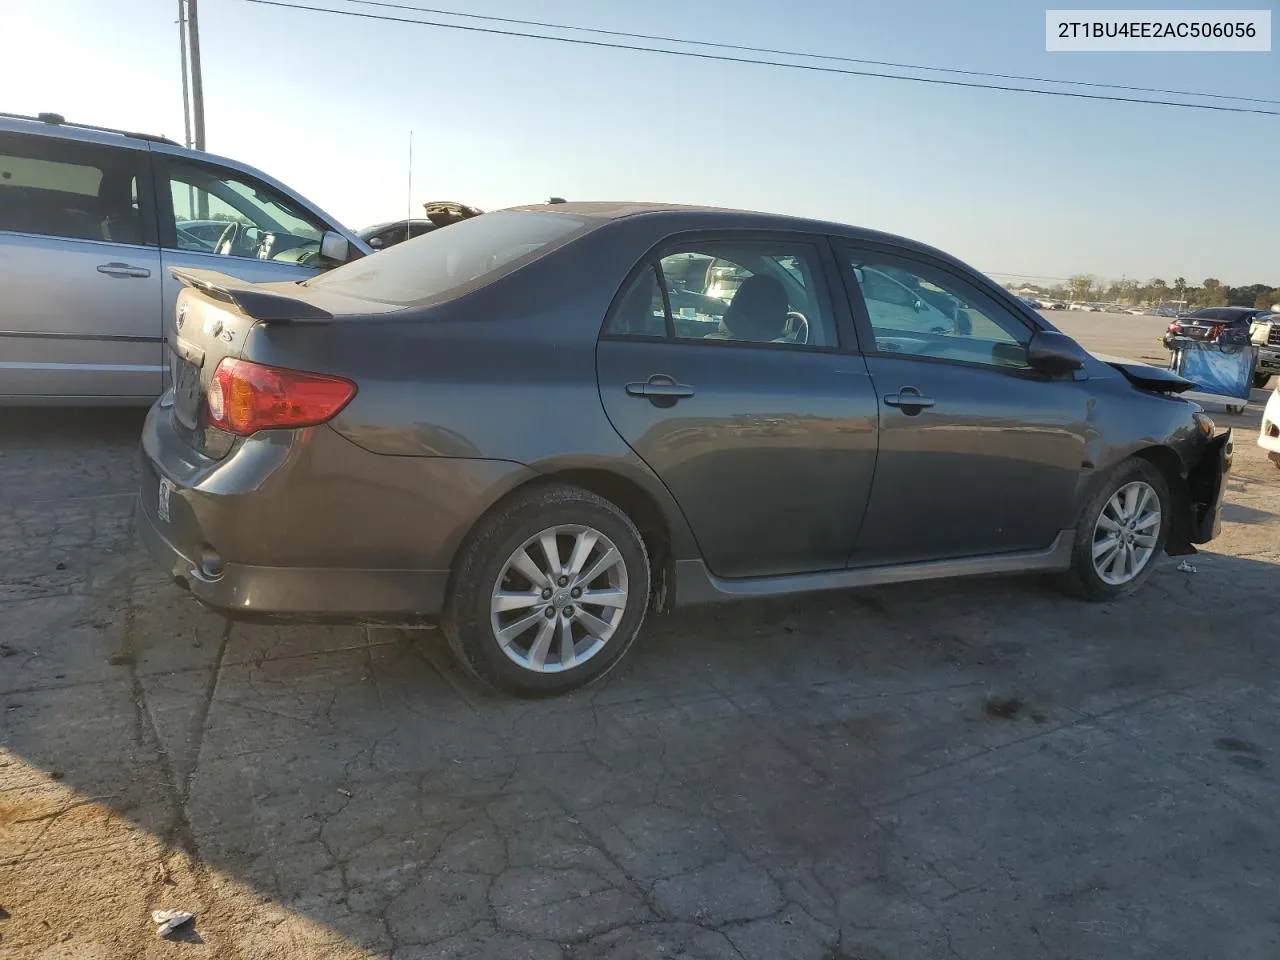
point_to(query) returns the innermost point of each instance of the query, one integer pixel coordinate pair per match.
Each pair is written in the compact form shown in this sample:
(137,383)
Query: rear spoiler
(249,298)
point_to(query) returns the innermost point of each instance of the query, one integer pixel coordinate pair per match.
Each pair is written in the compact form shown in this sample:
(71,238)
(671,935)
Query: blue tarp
(1214,368)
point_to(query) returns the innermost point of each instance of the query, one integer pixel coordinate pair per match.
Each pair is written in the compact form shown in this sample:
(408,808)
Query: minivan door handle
(908,400)
(123,270)
(660,390)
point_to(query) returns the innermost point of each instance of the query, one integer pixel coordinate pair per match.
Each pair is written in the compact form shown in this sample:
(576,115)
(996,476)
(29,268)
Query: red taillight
(1216,331)
(1174,327)
(245,397)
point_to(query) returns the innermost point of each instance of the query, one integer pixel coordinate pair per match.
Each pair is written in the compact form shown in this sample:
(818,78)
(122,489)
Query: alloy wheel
(1126,533)
(559,598)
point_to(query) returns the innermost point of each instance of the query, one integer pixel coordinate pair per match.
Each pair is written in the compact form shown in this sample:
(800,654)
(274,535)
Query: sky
(1014,184)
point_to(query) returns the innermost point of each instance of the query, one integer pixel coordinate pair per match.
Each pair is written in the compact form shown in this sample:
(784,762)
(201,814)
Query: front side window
(919,310)
(222,213)
(745,291)
(449,260)
(69,190)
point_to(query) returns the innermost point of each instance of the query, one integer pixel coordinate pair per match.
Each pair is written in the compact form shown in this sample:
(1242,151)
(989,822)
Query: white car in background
(1269,434)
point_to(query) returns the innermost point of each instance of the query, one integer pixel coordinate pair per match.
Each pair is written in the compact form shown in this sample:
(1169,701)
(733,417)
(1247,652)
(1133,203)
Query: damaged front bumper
(1201,518)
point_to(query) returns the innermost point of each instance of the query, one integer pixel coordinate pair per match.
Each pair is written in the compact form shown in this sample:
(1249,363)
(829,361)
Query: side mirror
(918,306)
(376,243)
(334,247)
(1054,354)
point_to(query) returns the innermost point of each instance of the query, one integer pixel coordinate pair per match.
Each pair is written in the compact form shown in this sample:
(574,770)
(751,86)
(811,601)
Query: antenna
(408,207)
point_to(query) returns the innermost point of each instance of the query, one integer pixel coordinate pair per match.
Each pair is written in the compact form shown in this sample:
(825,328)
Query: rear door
(79,271)
(721,364)
(978,453)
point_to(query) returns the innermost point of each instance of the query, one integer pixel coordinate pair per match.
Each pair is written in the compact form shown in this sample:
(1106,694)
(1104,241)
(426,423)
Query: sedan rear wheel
(548,593)
(1120,532)
(559,598)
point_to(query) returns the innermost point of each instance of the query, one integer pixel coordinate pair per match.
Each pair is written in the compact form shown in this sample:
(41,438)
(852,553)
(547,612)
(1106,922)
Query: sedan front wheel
(1120,532)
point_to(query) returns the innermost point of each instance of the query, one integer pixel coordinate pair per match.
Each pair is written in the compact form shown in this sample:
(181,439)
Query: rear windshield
(1220,313)
(448,260)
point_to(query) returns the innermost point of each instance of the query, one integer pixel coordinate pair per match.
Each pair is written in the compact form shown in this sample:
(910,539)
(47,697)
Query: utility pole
(197,85)
(182,47)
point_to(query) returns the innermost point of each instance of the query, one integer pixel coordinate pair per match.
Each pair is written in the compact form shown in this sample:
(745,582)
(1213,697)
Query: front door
(215,218)
(80,271)
(720,366)
(978,454)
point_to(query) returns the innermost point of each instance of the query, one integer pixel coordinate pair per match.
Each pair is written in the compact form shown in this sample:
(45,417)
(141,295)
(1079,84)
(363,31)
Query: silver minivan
(91,220)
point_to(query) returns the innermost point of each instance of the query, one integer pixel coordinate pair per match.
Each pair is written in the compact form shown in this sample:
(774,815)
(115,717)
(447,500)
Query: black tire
(1081,579)
(1260,380)
(467,618)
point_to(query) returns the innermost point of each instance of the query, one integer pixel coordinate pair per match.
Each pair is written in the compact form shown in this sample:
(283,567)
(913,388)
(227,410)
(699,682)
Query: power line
(808,67)
(799,53)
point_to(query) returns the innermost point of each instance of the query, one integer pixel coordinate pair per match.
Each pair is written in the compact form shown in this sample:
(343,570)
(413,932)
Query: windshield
(444,262)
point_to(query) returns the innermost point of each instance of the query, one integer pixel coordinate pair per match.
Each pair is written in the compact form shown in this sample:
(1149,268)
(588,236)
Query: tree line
(1153,293)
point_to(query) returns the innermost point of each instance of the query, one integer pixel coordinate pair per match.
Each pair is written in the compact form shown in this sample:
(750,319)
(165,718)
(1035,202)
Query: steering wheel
(797,328)
(236,241)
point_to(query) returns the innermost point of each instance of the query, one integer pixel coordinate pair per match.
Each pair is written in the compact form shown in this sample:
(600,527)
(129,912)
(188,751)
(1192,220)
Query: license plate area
(186,391)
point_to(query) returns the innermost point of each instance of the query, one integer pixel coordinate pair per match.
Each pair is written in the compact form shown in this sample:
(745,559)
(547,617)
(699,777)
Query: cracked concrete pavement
(964,770)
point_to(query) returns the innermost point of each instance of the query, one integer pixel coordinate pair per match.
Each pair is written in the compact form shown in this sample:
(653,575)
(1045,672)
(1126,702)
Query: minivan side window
(215,211)
(919,310)
(71,190)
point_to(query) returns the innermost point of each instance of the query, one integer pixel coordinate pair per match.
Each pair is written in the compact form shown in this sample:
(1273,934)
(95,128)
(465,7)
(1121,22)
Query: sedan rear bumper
(306,526)
(304,594)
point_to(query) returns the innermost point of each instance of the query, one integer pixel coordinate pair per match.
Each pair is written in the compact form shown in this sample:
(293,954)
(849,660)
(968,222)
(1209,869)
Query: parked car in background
(206,232)
(383,235)
(440,213)
(92,221)
(1032,302)
(1055,305)
(374,443)
(1264,334)
(1223,325)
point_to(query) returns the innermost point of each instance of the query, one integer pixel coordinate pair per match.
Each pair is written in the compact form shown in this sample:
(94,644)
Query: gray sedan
(541,423)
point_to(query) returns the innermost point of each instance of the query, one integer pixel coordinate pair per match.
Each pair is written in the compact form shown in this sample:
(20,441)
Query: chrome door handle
(660,390)
(123,270)
(909,400)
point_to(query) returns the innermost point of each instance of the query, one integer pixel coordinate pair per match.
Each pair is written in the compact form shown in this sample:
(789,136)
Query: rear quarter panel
(507,372)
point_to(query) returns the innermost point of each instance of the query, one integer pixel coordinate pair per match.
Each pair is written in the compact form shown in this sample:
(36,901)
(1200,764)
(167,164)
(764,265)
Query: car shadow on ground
(866,771)
(907,771)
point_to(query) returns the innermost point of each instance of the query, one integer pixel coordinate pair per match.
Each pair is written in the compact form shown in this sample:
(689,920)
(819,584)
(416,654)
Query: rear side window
(745,291)
(70,190)
(453,258)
